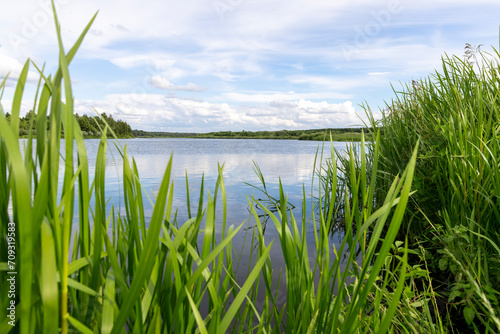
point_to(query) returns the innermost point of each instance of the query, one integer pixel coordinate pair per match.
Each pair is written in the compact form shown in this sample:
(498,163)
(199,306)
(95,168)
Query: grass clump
(454,213)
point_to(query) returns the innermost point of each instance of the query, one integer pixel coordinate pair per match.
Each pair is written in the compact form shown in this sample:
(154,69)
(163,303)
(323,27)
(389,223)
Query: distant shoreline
(339,134)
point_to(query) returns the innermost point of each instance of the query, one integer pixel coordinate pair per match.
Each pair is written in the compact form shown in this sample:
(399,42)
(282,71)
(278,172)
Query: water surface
(290,161)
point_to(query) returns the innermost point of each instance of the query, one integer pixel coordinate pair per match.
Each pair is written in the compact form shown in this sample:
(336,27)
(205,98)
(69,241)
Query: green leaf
(196,313)
(17,101)
(454,294)
(108,304)
(79,326)
(443,263)
(81,287)
(82,262)
(469,314)
(49,289)
(419,303)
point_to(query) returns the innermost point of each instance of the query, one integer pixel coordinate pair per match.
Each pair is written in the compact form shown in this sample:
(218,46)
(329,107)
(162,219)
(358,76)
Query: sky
(219,65)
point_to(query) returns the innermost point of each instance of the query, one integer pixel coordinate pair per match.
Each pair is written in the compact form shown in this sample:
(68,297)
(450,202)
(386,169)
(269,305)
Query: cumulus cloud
(273,96)
(176,114)
(162,83)
(10,66)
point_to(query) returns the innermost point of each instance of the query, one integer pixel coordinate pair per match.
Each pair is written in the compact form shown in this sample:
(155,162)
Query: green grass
(125,273)
(455,115)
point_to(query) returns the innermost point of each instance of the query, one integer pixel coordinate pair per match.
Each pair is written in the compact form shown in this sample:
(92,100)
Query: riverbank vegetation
(419,211)
(455,211)
(337,134)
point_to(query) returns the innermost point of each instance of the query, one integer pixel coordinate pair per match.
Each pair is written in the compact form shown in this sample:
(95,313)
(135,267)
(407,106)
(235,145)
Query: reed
(454,114)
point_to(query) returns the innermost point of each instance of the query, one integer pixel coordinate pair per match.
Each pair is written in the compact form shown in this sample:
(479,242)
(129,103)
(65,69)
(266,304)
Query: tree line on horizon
(343,134)
(91,126)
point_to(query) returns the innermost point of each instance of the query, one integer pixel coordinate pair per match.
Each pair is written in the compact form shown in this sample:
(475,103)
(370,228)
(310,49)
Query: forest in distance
(91,126)
(338,134)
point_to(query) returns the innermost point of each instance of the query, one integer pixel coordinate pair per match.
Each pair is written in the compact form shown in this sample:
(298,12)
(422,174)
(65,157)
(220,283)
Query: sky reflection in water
(290,160)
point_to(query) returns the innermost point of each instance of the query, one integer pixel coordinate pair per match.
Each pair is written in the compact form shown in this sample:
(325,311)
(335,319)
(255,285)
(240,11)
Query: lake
(292,161)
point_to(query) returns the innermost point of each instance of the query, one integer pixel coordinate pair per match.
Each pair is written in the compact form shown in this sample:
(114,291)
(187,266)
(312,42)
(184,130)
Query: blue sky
(211,65)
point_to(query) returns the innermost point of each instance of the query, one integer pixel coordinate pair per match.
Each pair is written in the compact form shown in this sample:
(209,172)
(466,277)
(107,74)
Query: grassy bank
(455,211)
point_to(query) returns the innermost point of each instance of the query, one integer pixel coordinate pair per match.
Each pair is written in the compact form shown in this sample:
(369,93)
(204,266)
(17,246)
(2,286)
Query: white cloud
(10,66)
(154,60)
(270,97)
(162,83)
(338,83)
(175,114)
(26,105)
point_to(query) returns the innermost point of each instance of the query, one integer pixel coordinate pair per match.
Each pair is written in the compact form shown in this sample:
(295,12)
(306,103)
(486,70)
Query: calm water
(291,161)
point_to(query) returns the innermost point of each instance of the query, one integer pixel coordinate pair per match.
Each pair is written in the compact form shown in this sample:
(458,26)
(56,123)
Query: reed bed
(455,212)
